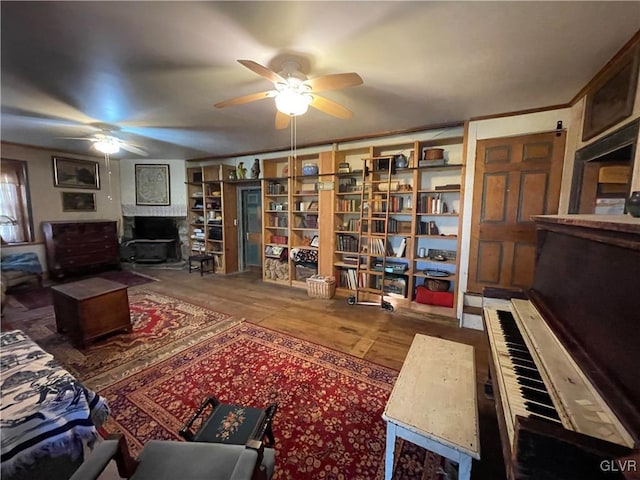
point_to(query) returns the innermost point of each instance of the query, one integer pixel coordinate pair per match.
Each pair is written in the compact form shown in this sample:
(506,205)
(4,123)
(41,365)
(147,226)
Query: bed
(48,417)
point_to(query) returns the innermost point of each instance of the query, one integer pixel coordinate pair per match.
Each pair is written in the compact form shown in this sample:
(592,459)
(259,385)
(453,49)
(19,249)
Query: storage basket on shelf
(321,287)
(303,272)
(436,285)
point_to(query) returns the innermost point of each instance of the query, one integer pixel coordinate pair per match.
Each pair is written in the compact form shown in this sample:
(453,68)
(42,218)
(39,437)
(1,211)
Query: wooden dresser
(80,247)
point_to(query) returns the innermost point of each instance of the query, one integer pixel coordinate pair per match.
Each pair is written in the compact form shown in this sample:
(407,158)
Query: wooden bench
(207,263)
(433,403)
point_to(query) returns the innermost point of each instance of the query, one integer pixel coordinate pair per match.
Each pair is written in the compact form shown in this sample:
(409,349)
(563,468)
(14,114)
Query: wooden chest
(91,308)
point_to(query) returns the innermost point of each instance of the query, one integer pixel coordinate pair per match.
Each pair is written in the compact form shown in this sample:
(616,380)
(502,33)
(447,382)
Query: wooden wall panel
(523,266)
(489,262)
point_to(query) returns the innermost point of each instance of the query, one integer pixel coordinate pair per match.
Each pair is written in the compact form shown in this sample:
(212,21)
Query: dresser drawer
(78,247)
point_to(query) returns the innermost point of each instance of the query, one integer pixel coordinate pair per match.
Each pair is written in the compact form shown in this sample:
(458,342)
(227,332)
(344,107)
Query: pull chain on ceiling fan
(294,93)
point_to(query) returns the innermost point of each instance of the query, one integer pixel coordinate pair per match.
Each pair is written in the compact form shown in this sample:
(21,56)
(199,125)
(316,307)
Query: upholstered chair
(171,460)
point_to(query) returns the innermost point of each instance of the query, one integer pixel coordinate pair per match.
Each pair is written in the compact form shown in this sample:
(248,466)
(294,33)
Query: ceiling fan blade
(133,149)
(329,106)
(262,71)
(77,138)
(282,120)
(246,99)
(334,82)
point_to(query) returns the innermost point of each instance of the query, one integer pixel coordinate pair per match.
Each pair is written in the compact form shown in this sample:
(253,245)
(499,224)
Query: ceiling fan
(294,92)
(106,142)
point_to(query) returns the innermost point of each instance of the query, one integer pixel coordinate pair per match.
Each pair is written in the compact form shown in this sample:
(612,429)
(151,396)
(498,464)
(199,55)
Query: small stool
(216,422)
(204,260)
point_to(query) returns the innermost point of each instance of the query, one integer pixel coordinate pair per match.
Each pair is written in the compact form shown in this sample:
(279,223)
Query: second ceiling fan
(294,92)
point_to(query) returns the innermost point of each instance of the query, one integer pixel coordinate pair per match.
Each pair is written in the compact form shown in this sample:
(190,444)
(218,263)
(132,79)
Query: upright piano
(565,355)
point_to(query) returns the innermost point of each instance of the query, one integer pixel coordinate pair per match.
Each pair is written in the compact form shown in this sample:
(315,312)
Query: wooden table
(433,403)
(88,309)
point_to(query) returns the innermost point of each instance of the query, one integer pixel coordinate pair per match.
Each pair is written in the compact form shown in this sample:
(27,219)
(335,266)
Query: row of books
(378,246)
(393,226)
(399,204)
(428,228)
(431,204)
(347,205)
(348,278)
(347,243)
(308,221)
(278,221)
(352,225)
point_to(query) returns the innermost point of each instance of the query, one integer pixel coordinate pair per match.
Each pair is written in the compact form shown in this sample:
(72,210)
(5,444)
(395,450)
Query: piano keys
(546,364)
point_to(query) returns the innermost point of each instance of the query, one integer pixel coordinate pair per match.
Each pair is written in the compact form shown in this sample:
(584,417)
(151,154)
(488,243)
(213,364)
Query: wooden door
(251,205)
(515,178)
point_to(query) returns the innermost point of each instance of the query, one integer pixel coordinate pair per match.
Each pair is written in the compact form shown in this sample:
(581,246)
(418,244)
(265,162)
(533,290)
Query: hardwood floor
(366,332)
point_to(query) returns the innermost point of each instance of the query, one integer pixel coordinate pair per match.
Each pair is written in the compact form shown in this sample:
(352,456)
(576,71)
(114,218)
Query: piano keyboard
(537,378)
(515,369)
(529,394)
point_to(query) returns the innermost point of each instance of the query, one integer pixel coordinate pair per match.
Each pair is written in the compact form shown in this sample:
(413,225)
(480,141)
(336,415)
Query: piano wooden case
(564,361)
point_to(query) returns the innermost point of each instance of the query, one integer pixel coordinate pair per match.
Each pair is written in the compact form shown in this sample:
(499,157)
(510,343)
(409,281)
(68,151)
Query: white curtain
(11,218)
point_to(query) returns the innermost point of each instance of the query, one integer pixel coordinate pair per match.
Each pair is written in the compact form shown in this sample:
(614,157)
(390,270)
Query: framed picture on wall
(78,202)
(611,98)
(152,184)
(72,173)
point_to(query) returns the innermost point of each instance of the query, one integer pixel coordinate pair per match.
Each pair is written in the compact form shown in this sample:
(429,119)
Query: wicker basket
(321,287)
(436,285)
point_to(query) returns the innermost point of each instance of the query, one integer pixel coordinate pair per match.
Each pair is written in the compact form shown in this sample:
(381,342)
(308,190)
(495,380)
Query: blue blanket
(46,412)
(23,262)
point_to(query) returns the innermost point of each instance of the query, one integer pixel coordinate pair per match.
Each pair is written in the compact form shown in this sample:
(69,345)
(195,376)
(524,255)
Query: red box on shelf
(279,239)
(426,296)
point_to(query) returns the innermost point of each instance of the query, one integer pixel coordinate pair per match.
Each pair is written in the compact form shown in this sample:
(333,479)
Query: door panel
(489,261)
(493,208)
(532,204)
(252,226)
(516,178)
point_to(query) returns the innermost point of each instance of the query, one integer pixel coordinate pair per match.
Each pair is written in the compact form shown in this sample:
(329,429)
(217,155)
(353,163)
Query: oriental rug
(328,424)
(162,326)
(32,297)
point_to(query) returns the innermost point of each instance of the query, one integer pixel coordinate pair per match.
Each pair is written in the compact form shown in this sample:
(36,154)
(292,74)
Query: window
(15,206)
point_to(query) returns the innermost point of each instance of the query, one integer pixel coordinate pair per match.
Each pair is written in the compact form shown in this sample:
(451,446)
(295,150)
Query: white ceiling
(153,70)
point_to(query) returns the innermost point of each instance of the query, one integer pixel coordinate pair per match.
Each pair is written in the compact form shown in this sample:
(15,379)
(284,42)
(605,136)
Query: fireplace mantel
(154,211)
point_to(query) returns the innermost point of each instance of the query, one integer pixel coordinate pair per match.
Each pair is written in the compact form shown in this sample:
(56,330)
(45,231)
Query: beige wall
(46,200)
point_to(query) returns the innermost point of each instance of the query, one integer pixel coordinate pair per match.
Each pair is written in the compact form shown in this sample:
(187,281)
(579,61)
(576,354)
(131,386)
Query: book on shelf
(350,259)
(402,248)
(378,246)
(432,204)
(428,228)
(448,186)
(347,243)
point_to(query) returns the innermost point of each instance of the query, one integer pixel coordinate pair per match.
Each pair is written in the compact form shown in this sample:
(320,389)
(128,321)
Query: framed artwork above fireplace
(152,184)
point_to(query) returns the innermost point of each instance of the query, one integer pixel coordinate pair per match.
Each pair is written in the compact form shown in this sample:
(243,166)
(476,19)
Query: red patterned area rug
(328,424)
(162,326)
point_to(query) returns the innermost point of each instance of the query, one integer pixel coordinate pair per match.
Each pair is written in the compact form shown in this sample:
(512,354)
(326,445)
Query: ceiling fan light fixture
(292,103)
(107,145)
